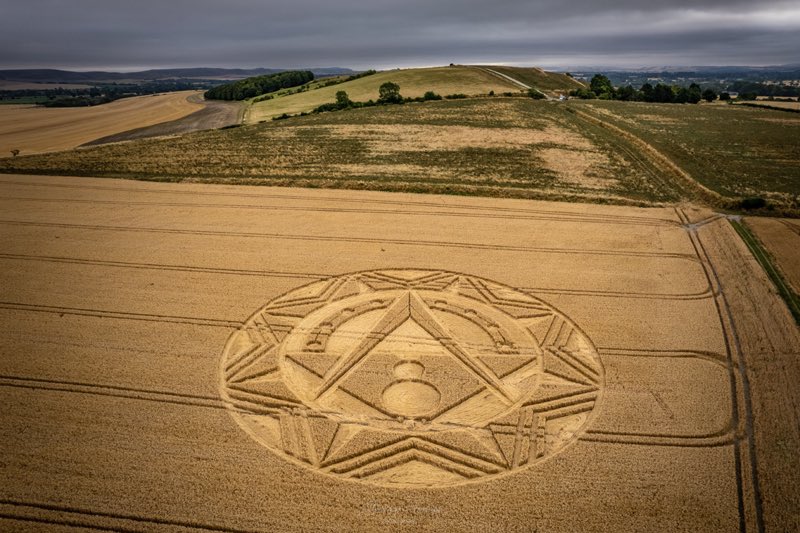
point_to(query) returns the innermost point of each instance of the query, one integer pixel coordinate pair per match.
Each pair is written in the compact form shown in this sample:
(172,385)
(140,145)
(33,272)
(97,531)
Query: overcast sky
(125,35)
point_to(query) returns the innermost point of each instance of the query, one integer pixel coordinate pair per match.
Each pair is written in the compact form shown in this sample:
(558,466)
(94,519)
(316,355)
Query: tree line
(601,87)
(258,85)
(61,97)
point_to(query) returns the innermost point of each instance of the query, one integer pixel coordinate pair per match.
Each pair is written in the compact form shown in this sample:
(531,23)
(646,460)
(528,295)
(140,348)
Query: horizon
(87,35)
(555,68)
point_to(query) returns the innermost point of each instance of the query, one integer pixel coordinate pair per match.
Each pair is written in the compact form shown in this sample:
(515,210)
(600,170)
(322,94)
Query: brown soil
(180,356)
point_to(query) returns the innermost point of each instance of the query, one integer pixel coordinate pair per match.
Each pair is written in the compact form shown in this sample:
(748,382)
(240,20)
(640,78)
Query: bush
(583,94)
(430,95)
(753,203)
(456,96)
(536,95)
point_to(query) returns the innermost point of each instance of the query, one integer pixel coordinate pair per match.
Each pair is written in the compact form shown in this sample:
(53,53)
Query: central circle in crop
(402,377)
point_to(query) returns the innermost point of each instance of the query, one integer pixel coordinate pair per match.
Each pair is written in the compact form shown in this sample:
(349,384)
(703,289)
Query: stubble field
(206,357)
(33,130)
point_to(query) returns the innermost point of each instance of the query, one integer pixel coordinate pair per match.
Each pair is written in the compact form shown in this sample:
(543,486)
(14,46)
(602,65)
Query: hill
(69,76)
(610,152)
(413,83)
(536,77)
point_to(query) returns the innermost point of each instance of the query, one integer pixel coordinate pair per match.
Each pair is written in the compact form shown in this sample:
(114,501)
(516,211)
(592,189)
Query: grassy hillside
(734,150)
(538,78)
(413,83)
(513,147)
(612,152)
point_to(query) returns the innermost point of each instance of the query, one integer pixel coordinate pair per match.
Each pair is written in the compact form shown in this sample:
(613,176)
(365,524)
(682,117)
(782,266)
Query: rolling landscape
(478,296)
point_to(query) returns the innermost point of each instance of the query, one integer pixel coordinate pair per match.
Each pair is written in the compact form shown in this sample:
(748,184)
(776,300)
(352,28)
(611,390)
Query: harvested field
(188,356)
(735,151)
(37,129)
(781,237)
(491,147)
(214,114)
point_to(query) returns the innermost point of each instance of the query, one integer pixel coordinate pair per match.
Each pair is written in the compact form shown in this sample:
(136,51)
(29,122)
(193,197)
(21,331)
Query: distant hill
(69,76)
(542,80)
(456,79)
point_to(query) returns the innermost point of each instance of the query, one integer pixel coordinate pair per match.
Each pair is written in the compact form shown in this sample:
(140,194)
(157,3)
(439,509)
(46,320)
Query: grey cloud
(382,33)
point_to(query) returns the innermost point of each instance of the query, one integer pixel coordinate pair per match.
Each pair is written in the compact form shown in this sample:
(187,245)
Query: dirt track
(628,364)
(214,114)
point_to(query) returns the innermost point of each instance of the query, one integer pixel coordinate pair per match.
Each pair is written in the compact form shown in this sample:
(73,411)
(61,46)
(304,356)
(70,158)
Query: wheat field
(32,129)
(180,357)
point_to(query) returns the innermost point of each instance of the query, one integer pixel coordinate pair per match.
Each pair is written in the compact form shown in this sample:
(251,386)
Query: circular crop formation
(411,378)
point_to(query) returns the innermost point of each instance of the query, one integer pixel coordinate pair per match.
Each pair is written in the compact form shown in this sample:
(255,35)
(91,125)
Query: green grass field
(23,100)
(413,83)
(734,150)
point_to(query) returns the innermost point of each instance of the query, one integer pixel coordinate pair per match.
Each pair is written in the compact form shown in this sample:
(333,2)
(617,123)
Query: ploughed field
(32,129)
(192,356)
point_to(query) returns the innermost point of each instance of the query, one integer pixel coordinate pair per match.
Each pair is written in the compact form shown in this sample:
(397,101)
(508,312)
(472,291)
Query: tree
(15,152)
(648,93)
(694,93)
(389,93)
(663,93)
(725,97)
(627,94)
(430,95)
(342,100)
(709,95)
(600,85)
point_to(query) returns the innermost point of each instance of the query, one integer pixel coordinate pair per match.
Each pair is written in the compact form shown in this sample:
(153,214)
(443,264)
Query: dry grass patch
(406,138)
(582,169)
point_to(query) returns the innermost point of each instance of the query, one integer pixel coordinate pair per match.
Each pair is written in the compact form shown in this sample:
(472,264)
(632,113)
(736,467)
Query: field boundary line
(727,438)
(711,357)
(707,293)
(586,219)
(739,382)
(98,313)
(275,195)
(364,240)
(118,516)
(99,389)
